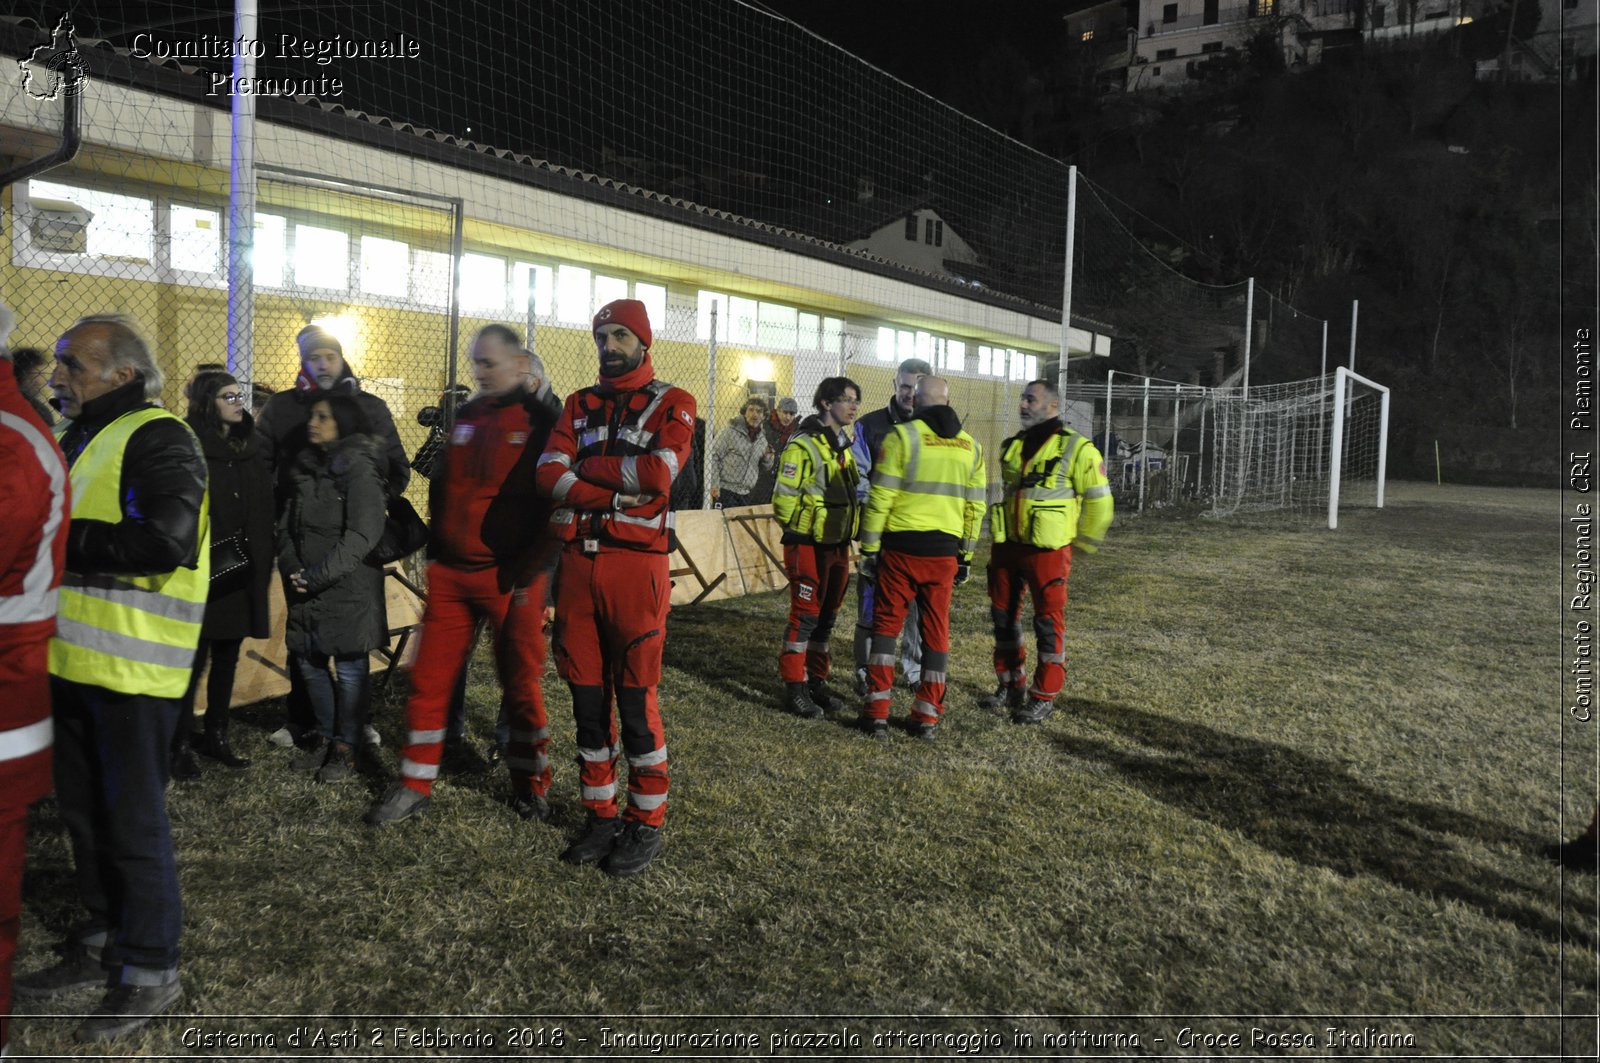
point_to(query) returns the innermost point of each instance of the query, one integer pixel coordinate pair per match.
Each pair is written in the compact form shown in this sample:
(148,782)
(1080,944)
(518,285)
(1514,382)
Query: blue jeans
(111,767)
(340,707)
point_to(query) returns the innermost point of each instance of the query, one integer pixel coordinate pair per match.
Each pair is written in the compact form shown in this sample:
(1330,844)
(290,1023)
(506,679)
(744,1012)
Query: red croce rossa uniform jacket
(484,502)
(625,436)
(35,495)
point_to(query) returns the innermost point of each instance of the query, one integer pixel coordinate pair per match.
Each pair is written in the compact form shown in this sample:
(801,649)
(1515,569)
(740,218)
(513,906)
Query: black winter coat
(163,486)
(241,501)
(333,518)
(283,424)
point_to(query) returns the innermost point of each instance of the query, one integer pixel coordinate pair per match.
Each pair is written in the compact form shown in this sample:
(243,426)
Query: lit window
(543,288)
(808,332)
(955,356)
(321,258)
(833,335)
(923,345)
(703,324)
(1019,366)
(885,348)
(196,239)
(779,324)
(654,298)
(483,283)
(606,290)
(1030,370)
(573,291)
(1088,35)
(1261,8)
(745,315)
(385,267)
(267,258)
(906,345)
(119,226)
(430,278)
(985,361)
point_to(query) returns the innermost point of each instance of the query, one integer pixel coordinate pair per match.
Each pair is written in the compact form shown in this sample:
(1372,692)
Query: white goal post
(1344,384)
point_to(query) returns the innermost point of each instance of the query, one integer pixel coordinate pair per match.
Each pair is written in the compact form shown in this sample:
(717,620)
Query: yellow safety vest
(131,634)
(1060,497)
(924,482)
(815,493)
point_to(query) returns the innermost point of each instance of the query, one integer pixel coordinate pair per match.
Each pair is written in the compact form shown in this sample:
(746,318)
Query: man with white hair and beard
(1055,497)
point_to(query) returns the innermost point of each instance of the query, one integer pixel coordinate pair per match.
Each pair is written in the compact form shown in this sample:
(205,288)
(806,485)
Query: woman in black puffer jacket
(240,486)
(334,518)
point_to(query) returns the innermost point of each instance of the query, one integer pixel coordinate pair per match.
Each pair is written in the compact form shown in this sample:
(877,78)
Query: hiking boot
(340,765)
(78,968)
(599,836)
(922,729)
(125,1008)
(398,802)
(875,729)
(635,848)
(1037,710)
(824,698)
(312,756)
(531,806)
(798,702)
(1004,697)
(1576,855)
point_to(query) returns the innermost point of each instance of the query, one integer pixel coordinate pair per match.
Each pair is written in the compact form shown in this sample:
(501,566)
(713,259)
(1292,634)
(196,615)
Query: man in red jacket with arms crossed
(609,466)
(34,495)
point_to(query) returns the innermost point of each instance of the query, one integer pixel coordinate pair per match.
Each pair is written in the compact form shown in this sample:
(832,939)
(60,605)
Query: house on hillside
(907,230)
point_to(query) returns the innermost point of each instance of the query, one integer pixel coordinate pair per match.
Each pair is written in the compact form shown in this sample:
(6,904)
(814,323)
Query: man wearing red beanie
(609,467)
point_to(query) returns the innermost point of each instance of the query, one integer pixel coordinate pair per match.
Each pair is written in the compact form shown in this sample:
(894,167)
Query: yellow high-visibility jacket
(815,494)
(1060,496)
(131,634)
(928,477)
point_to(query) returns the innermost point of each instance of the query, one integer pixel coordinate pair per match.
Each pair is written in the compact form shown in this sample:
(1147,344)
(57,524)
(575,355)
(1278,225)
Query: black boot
(797,701)
(184,767)
(217,748)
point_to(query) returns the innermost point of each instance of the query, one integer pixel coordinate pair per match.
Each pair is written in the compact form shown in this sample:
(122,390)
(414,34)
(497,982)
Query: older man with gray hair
(132,599)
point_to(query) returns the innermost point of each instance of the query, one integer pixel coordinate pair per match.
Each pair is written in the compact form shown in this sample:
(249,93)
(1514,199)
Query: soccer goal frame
(1342,380)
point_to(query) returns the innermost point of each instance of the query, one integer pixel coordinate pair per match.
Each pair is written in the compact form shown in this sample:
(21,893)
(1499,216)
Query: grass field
(1298,779)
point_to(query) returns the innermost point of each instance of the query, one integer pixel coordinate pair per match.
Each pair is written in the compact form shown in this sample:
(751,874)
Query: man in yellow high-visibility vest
(1055,497)
(132,599)
(924,510)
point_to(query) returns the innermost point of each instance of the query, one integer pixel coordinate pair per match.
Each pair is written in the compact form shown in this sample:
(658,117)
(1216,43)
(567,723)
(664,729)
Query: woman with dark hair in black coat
(240,487)
(333,519)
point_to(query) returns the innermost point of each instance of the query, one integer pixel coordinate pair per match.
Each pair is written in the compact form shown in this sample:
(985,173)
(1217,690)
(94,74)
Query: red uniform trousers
(611,617)
(457,600)
(13,846)
(902,579)
(818,577)
(1013,569)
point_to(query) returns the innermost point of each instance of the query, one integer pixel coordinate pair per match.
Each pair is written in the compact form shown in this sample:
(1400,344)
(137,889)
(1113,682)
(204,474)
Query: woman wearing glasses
(241,559)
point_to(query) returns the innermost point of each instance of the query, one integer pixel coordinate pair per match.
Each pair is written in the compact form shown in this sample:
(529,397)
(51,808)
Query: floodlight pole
(1355,307)
(1249,329)
(242,205)
(1066,285)
(711,409)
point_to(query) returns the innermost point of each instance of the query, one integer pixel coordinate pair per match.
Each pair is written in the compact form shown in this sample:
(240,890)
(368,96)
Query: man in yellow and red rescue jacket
(1056,496)
(34,496)
(492,553)
(924,511)
(609,466)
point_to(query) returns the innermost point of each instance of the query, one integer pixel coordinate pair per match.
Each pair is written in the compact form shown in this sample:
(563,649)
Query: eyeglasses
(232,398)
